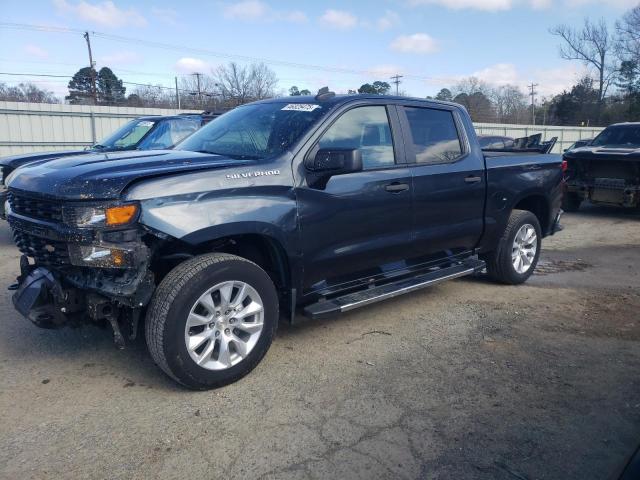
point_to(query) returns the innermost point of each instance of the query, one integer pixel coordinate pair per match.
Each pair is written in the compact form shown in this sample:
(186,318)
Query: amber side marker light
(120,215)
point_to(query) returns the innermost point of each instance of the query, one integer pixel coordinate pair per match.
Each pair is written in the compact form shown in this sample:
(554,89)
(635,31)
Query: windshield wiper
(235,156)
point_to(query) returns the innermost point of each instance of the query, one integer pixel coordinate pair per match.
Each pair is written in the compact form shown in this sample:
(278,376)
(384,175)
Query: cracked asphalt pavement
(467,379)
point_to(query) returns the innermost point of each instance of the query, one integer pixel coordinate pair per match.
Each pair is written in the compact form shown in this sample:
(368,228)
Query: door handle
(472,179)
(396,187)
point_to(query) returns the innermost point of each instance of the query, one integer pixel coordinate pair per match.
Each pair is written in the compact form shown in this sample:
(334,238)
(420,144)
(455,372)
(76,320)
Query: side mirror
(328,162)
(335,161)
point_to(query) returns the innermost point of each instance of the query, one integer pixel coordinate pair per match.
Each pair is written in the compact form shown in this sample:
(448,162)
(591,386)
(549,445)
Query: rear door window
(434,135)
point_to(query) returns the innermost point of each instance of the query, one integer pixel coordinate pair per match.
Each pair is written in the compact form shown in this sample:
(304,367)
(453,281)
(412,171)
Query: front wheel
(518,250)
(211,320)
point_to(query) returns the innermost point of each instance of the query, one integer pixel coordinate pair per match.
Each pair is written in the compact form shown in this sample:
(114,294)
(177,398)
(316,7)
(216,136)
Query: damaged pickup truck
(606,171)
(321,204)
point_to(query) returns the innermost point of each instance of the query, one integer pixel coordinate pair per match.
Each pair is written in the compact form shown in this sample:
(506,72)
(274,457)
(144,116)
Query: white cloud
(36,51)
(191,65)
(620,4)
(502,5)
(120,58)
(247,10)
(105,13)
(487,5)
(540,4)
(295,16)
(551,81)
(339,19)
(417,43)
(165,15)
(256,10)
(388,20)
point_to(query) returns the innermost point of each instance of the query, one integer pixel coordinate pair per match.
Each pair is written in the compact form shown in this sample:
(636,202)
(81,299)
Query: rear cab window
(434,136)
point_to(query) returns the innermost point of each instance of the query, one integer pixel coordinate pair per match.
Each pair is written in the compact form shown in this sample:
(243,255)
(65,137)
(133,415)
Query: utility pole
(177,94)
(92,65)
(198,75)
(396,79)
(532,87)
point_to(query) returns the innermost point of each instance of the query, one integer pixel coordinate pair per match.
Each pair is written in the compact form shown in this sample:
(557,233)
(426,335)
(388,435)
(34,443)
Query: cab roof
(345,98)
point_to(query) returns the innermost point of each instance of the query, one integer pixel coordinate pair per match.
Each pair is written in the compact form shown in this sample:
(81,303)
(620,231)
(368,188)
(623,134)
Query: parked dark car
(607,170)
(323,204)
(495,142)
(144,133)
(578,144)
(532,143)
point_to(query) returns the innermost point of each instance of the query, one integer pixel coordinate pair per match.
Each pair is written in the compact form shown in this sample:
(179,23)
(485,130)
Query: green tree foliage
(109,88)
(80,87)
(294,92)
(375,88)
(445,95)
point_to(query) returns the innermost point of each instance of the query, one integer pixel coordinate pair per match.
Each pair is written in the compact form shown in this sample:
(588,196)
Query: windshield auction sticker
(301,107)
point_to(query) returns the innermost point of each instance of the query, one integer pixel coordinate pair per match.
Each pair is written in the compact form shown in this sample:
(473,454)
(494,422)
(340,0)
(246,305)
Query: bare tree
(199,91)
(474,95)
(510,103)
(594,46)
(241,84)
(26,92)
(152,96)
(628,30)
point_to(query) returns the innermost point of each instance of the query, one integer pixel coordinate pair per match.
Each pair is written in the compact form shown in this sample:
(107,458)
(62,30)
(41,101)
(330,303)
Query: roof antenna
(324,94)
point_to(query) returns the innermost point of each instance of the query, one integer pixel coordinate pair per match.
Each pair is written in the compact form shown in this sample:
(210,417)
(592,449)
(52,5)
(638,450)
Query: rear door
(448,181)
(359,224)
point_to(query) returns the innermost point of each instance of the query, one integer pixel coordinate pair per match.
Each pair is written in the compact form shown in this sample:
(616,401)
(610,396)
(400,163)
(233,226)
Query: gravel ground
(467,379)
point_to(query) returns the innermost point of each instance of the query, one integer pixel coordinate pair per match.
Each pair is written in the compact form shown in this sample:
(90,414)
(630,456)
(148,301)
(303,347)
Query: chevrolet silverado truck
(606,171)
(143,133)
(315,204)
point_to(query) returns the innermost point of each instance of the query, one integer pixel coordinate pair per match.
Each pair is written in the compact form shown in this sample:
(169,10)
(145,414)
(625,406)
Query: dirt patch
(559,266)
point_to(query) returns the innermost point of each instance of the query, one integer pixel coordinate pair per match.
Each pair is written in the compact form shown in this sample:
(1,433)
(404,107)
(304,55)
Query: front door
(359,224)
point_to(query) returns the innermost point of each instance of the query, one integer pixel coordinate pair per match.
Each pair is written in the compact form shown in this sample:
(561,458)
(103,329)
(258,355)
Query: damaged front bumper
(607,191)
(51,300)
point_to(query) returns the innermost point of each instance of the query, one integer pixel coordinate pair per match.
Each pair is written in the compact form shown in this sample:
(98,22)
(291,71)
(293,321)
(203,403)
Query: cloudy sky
(309,44)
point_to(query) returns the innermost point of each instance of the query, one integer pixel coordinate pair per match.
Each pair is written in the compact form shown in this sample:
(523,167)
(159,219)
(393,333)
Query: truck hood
(103,176)
(603,153)
(15,161)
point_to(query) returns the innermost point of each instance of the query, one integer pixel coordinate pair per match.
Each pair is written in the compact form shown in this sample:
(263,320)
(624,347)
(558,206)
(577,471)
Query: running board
(326,308)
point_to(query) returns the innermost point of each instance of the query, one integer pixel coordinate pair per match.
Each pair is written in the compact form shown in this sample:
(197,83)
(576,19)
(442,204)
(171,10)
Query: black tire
(571,202)
(170,306)
(499,263)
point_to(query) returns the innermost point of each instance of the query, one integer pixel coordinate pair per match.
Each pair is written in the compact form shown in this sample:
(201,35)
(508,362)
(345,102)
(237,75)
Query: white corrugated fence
(31,127)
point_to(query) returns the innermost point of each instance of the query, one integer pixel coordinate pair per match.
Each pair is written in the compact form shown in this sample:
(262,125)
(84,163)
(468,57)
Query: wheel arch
(261,243)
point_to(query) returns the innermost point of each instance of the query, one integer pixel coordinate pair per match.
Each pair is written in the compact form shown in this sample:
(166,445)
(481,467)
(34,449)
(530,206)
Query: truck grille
(35,208)
(44,251)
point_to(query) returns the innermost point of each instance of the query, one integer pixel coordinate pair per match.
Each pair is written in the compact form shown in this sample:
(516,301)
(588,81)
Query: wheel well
(262,250)
(537,205)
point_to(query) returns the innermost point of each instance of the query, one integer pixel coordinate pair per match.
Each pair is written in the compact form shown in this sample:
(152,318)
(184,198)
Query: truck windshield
(619,136)
(255,131)
(127,136)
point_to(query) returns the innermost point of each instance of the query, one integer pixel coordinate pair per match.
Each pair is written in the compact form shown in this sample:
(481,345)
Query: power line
(396,79)
(92,66)
(212,53)
(148,85)
(533,102)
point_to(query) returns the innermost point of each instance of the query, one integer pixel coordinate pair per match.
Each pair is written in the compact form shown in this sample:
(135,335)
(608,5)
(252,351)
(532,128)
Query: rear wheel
(518,250)
(211,320)
(571,202)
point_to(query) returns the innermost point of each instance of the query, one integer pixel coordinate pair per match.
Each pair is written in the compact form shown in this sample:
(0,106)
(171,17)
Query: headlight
(101,256)
(115,216)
